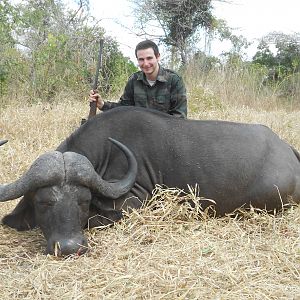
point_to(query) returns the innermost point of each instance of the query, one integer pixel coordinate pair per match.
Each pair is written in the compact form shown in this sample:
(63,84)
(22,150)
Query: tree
(279,54)
(8,54)
(8,17)
(57,50)
(179,20)
(284,60)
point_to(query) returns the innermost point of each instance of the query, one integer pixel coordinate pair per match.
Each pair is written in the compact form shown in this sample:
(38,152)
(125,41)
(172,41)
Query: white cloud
(250,18)
(256,18)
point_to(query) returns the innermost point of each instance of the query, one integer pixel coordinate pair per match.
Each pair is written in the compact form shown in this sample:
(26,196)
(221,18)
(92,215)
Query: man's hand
(95,97)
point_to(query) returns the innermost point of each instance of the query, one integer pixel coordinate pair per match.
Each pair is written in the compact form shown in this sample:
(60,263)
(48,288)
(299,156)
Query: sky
(251,18)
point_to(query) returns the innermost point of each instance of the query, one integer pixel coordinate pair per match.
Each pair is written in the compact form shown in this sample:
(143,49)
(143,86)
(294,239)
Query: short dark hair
(146,45)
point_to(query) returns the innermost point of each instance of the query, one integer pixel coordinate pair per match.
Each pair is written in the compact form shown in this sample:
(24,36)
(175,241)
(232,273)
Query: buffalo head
(57,192)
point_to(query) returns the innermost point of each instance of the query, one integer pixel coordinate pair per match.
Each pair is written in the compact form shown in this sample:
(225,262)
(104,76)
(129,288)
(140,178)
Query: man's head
(148,56)
(146,45)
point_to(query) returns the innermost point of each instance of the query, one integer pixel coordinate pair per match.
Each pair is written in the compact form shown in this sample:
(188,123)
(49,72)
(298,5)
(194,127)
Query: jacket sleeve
(127,98)
(178,106)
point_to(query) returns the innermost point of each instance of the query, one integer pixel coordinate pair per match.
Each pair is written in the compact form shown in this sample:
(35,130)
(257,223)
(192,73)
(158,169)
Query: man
(153,87)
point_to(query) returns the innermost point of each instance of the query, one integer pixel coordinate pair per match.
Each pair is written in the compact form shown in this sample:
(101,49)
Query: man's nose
(146,62)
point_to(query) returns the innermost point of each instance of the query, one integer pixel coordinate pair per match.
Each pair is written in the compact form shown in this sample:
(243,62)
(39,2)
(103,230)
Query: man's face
(148,62)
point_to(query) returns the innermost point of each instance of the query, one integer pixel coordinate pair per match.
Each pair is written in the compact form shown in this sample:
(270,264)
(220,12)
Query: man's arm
(125,100)
(178,98)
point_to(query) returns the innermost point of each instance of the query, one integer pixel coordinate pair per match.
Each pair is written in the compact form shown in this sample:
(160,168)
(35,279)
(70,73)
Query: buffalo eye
(42,206)
(45,202)
(84,203)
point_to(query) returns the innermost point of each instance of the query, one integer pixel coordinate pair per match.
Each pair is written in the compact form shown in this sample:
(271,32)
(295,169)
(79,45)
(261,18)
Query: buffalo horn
(48,169)
(2,142)
(80,170)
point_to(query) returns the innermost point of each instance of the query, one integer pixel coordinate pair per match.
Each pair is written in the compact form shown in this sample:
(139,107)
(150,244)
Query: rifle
(93,105)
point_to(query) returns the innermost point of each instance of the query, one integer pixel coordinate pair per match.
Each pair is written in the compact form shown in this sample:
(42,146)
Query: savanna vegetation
(47,62)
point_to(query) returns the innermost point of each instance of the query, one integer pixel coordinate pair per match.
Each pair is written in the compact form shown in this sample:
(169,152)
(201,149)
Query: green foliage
(8,59)
(284,60)
(214,84)
(8,19)
(204,62)
(203,99)
(116,70)
(55,49)
(283,63)
(264,55)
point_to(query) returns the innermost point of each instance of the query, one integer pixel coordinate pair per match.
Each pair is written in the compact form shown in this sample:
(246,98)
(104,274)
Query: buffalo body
(89,180)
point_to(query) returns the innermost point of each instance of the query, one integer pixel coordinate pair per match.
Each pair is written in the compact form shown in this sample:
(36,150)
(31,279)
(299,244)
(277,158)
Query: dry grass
(164,253)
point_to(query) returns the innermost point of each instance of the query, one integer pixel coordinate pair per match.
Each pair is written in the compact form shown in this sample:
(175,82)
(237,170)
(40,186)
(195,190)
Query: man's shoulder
(166,74)
(135,75)
(169,73)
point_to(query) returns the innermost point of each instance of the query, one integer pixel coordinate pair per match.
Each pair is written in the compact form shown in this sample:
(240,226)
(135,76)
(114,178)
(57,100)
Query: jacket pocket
(140,100)
(161,102)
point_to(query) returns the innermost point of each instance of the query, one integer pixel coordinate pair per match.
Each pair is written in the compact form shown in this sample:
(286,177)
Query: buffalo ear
(102,215)
(22,217)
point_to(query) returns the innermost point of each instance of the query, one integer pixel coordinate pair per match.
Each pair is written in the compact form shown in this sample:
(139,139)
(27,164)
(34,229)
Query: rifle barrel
(93,105)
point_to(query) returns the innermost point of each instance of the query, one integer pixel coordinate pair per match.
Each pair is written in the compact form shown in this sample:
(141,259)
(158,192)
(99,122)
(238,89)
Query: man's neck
(153,76)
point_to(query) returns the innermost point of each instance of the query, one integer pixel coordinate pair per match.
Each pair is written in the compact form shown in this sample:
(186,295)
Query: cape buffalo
(90,179)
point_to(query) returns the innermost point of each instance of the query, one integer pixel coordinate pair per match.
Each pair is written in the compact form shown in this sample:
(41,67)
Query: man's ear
(22,217)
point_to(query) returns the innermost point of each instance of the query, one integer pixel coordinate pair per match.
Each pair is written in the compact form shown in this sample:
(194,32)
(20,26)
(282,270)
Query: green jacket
(168,94)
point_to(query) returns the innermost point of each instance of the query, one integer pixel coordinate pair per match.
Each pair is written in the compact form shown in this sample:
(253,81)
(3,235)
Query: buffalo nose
(66,246)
